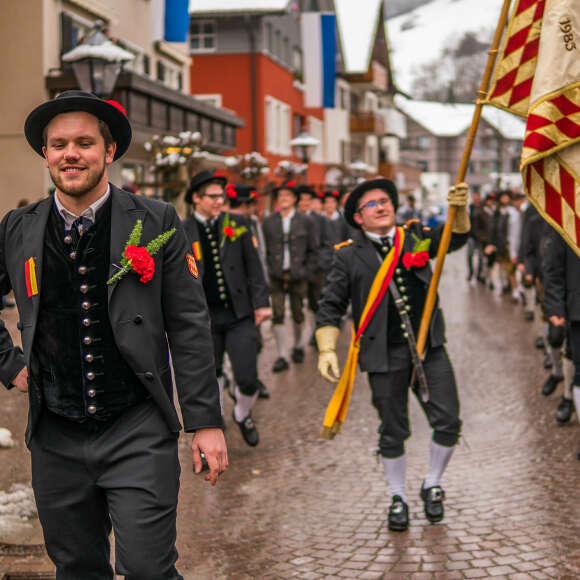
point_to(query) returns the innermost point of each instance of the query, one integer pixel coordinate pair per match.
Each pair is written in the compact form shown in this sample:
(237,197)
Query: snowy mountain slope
(421,35)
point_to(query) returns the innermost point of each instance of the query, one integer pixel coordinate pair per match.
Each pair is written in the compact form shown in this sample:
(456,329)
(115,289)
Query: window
(202,35)
(297,63)
(73,30)
(278,126)
(287,58)
(160,71)
(269,40)
(146,65)
(297,124)
(316,129)
(423,142)
(215,99)
(169,75)
(277,47)
(423,165)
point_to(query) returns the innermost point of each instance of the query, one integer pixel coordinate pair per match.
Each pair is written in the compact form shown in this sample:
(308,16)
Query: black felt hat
(305,190)
(351,205)
(240,193)
(110,112)
(202,178)
(333,193)
(288,185)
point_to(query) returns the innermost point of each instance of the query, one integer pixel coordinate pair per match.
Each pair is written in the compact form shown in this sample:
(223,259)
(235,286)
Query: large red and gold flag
(538,77)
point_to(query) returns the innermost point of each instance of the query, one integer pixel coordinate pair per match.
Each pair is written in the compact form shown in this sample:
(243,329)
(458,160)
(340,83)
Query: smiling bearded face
(76,154)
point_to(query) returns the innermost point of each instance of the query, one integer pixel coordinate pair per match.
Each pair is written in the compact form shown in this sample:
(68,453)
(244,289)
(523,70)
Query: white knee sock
(530,299)
(576,393)
(439,456)
(396,474)
(298,332)
(568,376)
(244,404)
(279,333)
(556,356)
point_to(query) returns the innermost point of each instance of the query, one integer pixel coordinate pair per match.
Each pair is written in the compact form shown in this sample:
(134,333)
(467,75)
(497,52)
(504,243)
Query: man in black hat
(244,203)
(96,318)
(338,229)
(306,195)
(386,347)
(292,256)
(235,289)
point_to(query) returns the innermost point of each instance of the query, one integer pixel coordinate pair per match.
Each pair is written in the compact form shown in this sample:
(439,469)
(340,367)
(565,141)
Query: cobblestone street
(301,507)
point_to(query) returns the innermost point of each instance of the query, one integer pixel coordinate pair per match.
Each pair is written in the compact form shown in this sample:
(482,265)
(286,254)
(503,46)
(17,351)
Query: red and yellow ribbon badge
(338,406)
(30,274)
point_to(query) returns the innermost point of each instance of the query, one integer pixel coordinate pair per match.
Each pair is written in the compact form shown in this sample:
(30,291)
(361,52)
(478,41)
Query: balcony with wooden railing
(393,171)
(367,122)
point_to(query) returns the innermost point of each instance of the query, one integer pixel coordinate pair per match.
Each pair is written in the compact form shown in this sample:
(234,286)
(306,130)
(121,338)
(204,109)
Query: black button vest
(214,283)
(75,359)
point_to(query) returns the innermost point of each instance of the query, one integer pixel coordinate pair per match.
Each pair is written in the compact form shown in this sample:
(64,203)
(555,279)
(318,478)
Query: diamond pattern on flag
(514,73)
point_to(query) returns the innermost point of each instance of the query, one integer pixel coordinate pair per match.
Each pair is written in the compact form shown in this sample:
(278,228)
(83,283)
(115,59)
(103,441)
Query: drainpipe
(251,25)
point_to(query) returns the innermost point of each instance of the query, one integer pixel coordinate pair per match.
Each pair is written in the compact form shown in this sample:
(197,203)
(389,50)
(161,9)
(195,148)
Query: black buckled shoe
(263,392)
(248,430)
(540,344)
(281,364)
(433,502)
(550,385)
(398,515)
(565,410)
(298,355)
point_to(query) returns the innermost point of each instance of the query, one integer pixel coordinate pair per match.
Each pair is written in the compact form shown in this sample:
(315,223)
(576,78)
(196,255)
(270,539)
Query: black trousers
(574,343)
(315,286)
(390,393)
(239,338)
(89,477)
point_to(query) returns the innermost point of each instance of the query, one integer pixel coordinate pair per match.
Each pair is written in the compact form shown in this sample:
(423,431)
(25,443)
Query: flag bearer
(397,258)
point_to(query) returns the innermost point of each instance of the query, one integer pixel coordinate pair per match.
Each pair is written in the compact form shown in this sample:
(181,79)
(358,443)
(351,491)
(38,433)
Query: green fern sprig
(134,239)
(155,245)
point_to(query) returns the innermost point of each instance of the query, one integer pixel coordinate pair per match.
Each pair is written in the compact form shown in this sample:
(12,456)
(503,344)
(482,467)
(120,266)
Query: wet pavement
(301,507)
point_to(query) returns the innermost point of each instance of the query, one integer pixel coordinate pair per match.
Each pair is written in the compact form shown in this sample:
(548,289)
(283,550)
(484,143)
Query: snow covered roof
(357,22)
(218,6)
(450,120)
(107,51)
(420,36)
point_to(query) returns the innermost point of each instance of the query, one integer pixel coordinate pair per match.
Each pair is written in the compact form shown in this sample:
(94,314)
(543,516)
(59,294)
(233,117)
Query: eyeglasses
(375,203)
(215,196)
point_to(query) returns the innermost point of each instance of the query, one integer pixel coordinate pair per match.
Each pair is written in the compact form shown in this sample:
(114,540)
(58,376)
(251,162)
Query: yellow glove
(457,197)
(326,339)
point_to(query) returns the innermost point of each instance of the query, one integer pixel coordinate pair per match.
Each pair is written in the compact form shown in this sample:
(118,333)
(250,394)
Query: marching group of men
(518,253)
(119,301)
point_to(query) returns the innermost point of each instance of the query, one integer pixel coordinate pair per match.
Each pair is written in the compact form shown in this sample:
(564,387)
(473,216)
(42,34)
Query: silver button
(92,409)
(73,255)
(89,357)
(407,308)
(84,288)
(87,340)
(214,251)
(402,288)
(399,280)
(405,335)
(92,393)
(405,298)
(86,305)
(218,268)
(397,271)
(221,287)
(223,296)
(91,375)
(68,240)
(213,243)
(82,270)
(86,321)
(402,326)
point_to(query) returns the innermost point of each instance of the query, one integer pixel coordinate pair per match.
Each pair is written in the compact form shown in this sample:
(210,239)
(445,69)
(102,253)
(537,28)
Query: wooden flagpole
(446,236)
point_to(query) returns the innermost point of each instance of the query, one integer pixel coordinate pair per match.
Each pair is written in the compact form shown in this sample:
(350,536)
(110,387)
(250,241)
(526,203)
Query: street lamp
(97,62)
(303,145)
(359,169)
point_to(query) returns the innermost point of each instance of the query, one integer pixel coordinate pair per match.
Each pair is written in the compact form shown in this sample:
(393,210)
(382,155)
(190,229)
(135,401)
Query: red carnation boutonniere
(419,257)
(231,232)
(231,191)
(254,194)
(139,259)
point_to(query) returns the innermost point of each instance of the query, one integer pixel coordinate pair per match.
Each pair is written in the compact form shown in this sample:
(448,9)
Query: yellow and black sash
(338,406)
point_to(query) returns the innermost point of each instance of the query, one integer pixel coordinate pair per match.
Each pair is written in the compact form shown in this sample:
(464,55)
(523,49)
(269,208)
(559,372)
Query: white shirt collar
(377,237)
(90,213)
(289,216)
(203,220)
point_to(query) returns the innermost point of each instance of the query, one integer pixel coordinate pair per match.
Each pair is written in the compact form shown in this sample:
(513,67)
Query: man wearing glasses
(235,289)
(387,342)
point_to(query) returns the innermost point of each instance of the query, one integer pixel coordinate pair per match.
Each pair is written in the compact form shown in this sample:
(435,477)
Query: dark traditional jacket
(303,246)
(146,319)
(240,263)
(561,279)
(353,271)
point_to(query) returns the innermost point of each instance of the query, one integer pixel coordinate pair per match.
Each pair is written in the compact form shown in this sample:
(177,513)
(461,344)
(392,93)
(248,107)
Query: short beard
(78,193)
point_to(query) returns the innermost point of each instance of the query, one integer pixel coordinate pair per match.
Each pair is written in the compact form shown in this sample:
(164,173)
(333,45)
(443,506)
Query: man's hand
(557,320)
(326,339)
(20,381)
(262,314)
(212,443)
(457,195)
(327,363)
(521,268)
(489,249)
